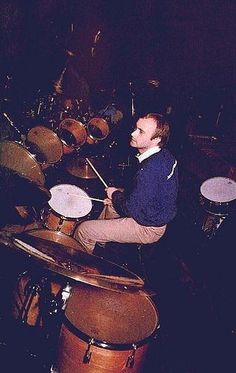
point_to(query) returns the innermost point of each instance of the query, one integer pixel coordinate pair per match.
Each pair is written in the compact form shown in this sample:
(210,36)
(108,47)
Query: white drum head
(219,189)
(70,201)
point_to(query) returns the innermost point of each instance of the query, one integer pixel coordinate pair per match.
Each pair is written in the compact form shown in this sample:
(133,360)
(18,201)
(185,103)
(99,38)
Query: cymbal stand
(49,304)
(22,136)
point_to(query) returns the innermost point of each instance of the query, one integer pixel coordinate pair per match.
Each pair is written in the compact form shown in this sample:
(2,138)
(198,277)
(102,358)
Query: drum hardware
(11,123)
(37,299)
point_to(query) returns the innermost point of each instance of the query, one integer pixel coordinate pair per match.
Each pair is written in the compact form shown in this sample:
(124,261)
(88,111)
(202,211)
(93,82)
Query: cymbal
(77,264)
(79,167)
(17,189)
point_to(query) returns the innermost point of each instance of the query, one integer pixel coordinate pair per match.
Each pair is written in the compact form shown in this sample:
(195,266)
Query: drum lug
(130,360)
(88,353)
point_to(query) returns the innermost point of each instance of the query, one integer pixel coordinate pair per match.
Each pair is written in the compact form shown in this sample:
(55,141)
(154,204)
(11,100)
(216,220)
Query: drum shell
(75,130)
(101,126)
(46,145)
(217,208)
(114,328)
(56,222)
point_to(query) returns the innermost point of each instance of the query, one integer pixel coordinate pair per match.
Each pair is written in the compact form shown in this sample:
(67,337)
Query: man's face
(141,137)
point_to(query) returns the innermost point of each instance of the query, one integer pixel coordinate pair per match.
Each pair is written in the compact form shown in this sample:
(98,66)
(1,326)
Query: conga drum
(105,331)
(67,206)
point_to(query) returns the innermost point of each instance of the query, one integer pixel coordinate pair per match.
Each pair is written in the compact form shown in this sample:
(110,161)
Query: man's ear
(156,140)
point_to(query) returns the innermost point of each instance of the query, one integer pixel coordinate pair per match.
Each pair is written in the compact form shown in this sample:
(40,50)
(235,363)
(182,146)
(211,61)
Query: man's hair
(162,129)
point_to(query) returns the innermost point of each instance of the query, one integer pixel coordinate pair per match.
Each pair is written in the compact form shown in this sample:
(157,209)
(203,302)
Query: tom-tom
(105,331)
(37,295)
(14,156)
(68,205)
(218,195)
(46,145)
(72,134)
(97,129)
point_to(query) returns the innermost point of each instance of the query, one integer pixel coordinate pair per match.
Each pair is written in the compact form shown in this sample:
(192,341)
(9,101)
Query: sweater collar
(148,153)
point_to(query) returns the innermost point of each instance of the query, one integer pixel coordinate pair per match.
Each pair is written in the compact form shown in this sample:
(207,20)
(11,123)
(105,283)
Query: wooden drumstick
(91,198)
(96,172)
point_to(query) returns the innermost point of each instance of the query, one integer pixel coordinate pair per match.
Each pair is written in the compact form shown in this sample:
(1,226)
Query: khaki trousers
(110,227)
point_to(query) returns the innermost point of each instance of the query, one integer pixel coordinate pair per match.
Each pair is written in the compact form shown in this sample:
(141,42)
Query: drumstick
(96,172)
(87,197)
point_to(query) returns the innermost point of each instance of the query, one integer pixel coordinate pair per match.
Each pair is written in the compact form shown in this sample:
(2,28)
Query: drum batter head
(70,201)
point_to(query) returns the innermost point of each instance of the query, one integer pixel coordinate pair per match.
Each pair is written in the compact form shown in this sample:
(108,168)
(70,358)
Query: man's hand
(111,190)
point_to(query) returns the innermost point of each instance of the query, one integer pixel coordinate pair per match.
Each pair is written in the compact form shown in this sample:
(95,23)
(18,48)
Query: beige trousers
(110,227)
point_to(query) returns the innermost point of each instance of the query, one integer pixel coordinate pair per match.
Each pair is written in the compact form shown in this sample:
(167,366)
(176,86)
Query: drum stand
(211,223)
(49,305)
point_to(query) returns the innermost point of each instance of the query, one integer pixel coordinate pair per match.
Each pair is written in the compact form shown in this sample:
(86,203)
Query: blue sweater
(151,197)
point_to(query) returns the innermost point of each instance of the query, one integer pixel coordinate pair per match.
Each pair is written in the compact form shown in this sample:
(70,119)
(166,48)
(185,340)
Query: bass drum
(105,331)
(218,195)
(97,129)
(15,157)
(46,145)
(35,294)
(72,134)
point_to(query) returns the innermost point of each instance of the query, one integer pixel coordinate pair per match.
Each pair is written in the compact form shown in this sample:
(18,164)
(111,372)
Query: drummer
(139,213)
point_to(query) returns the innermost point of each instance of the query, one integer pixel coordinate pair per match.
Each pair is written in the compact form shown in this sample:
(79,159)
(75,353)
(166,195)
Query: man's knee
(81,230)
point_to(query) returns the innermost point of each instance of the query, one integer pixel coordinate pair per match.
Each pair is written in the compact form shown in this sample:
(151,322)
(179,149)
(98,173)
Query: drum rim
(104,344)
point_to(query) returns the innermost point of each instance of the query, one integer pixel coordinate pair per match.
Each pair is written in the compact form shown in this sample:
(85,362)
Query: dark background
(188,47)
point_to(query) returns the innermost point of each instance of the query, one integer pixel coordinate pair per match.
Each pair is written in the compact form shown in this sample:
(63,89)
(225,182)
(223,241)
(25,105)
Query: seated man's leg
(122,230)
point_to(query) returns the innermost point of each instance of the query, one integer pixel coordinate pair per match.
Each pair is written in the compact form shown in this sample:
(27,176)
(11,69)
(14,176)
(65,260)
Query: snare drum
(15,157)
(97,129)
(45,144)
(218,195)
(72,134)
(105,331)
(68,205)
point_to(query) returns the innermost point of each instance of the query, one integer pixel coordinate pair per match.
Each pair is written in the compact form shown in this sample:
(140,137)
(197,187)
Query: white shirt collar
(148,153)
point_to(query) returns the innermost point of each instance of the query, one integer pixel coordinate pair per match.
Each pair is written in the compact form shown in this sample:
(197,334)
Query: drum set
(104,313)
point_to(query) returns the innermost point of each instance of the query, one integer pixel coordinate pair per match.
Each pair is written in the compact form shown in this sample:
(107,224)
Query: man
(141,212)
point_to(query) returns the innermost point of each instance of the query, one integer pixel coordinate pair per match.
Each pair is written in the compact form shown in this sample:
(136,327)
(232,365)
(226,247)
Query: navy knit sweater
(151,197)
